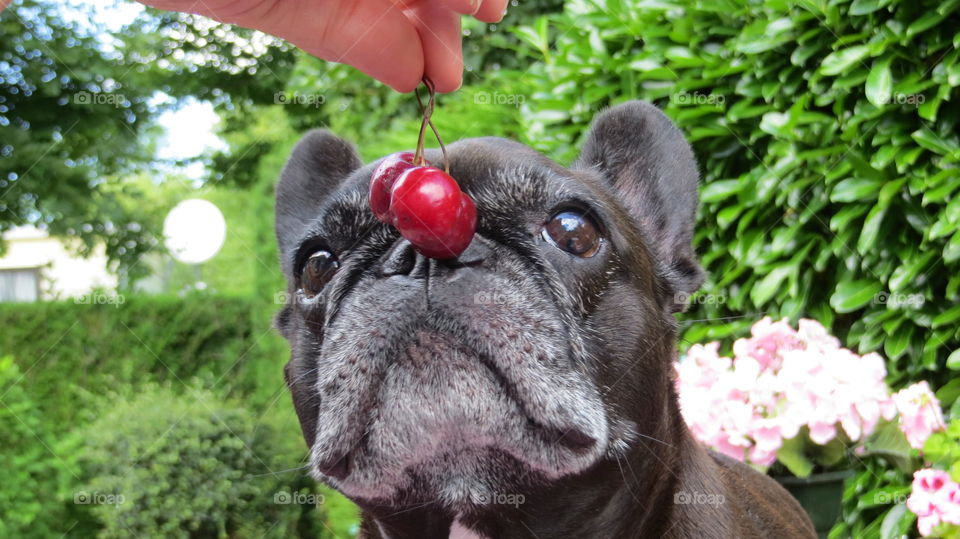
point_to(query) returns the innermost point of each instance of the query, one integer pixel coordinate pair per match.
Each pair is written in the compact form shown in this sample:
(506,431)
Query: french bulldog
(525,388)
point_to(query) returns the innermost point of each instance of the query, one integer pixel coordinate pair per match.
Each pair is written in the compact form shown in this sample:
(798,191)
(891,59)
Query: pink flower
(778,381)
(920,414)
(768,339)
(815,335)
(822,433)
(926,524)
(935,499)
(947,500)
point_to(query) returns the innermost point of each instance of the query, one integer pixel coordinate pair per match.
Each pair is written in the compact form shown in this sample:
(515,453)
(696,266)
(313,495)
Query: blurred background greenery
(826,132)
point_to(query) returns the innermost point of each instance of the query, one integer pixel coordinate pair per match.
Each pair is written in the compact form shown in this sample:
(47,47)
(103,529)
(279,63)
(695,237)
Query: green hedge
(72,351)
(827,134)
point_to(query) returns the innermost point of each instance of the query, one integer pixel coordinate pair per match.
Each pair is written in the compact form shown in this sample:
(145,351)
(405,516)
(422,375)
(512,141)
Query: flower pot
(820,495)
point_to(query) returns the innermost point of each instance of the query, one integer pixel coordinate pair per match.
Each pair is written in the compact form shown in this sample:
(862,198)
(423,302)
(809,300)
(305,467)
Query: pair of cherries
(425,204)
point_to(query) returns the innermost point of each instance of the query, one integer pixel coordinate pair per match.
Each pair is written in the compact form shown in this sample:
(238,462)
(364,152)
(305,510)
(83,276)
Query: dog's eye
(317,272)
(573,232)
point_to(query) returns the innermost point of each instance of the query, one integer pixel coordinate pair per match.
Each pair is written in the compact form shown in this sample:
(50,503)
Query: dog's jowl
(524,388)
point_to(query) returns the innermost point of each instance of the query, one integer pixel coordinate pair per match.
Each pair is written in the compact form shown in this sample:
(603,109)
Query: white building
(37,266)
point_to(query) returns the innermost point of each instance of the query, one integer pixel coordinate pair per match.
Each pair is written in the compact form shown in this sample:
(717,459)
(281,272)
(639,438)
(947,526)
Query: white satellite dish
(194,231)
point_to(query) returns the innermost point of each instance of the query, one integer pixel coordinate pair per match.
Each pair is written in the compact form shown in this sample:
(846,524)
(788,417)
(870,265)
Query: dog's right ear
(649,164)
(318,164)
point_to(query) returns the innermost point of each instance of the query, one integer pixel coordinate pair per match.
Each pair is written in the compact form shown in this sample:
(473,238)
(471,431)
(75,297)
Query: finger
(439,30)
(465,7)
(374,36)
(491,10)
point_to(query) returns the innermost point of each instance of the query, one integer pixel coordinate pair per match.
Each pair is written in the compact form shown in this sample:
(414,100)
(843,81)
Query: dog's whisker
(414,508)
(653,439)
(752,316)
(626,482)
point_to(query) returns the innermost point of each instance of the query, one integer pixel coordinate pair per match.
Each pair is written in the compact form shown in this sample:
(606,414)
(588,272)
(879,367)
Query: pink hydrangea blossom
(935,499)
(778,381)
(920,414)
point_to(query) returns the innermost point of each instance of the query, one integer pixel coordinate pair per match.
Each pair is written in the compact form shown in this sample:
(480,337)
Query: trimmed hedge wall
(70,352)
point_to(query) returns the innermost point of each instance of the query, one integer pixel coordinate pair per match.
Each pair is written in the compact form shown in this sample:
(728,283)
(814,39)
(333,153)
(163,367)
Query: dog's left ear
(651,167)
(318,165)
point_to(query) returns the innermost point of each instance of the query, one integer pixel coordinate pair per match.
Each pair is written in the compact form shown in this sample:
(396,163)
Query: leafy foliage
(67,119)
(77,110)
(183,464)
(827,133)
(942,449)
(32,476)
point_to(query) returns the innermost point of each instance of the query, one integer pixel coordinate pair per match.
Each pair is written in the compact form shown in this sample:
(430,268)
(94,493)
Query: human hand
(395,41)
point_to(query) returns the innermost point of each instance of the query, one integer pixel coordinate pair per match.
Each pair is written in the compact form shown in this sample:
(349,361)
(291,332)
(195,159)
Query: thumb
(372,35)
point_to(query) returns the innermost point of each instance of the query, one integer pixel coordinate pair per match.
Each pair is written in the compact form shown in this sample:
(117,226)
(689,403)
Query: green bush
(34,478)
(185,464)
(827,134)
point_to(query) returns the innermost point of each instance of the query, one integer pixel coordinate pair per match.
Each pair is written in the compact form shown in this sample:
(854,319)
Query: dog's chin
(444,424)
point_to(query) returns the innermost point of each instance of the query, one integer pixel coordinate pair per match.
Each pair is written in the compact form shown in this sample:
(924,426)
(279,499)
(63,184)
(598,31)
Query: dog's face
(543,349)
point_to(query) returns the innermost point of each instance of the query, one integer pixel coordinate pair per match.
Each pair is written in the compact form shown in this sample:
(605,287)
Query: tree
(78,105)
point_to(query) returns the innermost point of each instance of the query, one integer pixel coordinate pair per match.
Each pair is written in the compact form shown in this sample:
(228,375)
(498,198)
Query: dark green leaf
(880,82)
(852,295)
(842,60)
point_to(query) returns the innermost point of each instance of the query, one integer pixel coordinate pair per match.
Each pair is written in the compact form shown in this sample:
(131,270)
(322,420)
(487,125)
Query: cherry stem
(427,112)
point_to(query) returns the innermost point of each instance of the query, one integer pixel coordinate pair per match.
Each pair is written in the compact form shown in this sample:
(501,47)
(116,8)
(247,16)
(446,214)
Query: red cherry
(430,210)
(462,231)
(381,183)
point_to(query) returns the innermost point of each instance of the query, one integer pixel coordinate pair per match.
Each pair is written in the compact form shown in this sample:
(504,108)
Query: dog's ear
(651,167)
(318,164)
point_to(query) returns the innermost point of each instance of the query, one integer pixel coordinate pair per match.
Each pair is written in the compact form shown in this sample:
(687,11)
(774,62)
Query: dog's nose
(403,259)
(476,253)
